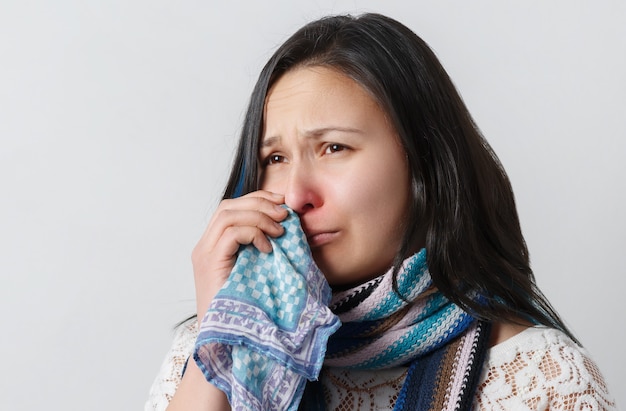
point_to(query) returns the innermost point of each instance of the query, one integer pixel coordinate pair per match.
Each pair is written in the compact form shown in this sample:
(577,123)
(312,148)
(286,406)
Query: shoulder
(170,373)
(185,335)
(541,368)
(182,344)
(533,341)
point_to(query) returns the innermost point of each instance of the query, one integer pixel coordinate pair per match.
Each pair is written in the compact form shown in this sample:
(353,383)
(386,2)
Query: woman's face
(328,147)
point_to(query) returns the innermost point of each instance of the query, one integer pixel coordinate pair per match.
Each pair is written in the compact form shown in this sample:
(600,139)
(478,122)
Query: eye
(333,148)
(273,159)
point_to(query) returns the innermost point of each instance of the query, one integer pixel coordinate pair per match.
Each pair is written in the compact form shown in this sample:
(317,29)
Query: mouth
(317,239)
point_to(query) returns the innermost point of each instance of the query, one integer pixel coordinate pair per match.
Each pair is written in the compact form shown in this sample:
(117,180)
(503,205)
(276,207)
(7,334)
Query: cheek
(380,196)
(387,198)
(387,184)
(271,183)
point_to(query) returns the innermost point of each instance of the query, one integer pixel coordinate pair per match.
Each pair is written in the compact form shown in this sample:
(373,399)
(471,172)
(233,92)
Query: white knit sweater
(538,369)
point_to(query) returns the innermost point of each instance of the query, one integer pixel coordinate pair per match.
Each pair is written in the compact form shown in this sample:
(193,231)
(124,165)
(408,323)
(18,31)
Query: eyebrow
(313,133)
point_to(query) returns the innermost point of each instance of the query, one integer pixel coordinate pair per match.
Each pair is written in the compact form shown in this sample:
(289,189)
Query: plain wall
(117,125)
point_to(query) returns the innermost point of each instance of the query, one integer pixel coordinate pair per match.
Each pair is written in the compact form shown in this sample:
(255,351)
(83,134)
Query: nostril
(303,209)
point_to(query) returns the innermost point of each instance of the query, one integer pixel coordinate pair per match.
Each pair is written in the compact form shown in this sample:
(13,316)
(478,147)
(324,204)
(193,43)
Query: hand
(244,220)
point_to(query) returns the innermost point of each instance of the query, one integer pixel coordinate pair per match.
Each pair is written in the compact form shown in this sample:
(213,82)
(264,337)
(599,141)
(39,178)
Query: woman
(355,126)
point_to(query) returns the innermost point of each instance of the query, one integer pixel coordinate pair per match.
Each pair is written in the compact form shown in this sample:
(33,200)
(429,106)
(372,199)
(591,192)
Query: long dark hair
(462,208)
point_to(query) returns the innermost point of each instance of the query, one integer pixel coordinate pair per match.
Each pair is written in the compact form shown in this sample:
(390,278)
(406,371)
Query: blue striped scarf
(383,329)
(443,346)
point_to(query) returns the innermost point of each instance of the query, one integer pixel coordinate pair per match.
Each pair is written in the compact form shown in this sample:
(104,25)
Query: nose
(303,192)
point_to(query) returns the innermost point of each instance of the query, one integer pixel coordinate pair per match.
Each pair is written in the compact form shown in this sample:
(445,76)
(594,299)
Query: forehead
(318,94)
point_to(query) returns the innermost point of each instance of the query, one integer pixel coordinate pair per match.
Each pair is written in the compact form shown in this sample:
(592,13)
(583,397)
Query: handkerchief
(265,332)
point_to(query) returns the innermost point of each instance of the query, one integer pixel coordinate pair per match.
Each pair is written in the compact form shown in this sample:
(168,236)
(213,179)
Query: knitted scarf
(443,346)
(269,329)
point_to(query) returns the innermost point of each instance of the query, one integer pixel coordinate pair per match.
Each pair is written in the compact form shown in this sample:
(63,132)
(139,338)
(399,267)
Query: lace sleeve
(170,373)
(542,369)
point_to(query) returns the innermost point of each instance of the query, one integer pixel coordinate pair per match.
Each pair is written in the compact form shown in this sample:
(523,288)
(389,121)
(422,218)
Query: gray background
(117,125)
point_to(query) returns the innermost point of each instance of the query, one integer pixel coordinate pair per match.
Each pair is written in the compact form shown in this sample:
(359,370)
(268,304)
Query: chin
(339,283)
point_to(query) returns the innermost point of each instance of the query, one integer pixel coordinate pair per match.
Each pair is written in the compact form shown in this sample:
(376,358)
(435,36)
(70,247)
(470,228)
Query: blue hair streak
(239,187)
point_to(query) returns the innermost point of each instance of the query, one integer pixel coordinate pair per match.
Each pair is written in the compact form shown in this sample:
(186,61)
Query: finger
(264,201)
(261,201)
(269,195)
(233,237)
(241,218)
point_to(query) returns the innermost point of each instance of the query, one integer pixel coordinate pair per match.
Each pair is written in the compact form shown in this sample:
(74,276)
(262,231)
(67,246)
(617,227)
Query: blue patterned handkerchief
(266,330)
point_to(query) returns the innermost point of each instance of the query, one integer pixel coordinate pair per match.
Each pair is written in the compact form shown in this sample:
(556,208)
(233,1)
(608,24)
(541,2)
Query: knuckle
(259,202)
(224,213)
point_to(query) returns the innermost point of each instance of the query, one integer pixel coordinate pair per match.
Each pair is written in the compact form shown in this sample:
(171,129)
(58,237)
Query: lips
(319,238)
